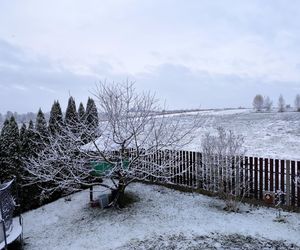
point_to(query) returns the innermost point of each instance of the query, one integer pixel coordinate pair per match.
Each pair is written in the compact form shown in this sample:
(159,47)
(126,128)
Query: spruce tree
(9,148)
(81,113)
(41,130)
(23,139)
(71,118)
(56,119)
(92,119)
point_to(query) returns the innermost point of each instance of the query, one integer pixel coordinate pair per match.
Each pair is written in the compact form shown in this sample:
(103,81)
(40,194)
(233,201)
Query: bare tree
(268,103)
(281,104)
(297,102)
(134,141)
(222,155)
(258,102)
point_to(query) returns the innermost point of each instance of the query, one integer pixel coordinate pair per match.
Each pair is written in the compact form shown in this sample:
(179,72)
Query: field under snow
(273,135)
(161,218)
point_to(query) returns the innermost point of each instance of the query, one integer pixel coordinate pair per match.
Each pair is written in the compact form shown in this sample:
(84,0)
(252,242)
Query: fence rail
(255,175)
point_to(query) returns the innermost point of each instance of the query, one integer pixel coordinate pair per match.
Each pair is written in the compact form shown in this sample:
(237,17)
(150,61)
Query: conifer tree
(9,147)
(71,118)
(41,129)
(92,119)
(81,113)
(56,118)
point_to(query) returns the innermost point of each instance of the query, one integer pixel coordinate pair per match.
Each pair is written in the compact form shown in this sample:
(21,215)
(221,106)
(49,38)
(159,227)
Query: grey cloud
(183,88)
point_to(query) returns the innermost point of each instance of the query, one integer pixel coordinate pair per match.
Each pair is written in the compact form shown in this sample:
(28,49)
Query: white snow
(267,134)
(159,210)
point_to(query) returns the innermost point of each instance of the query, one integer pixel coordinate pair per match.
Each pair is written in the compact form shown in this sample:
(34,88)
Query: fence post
(288,182)
(293,184)
(298,186)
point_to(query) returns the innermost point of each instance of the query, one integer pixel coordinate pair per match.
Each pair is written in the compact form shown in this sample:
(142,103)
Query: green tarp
(99,168)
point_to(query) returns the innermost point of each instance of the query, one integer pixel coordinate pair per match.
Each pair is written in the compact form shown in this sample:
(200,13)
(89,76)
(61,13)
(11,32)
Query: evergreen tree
(81,113)
(23,131)
(71,118)
(9,148)
(91,121)
(41,129)
(56,118)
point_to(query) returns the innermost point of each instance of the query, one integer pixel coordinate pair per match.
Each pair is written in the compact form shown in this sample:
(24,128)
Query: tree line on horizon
(261,103)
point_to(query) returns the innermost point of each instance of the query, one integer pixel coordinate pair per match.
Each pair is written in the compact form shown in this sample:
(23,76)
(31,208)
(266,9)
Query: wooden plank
(282,175)
(293,184)
(247,180)
(266,169)
(271,175)
(199,171)
(298,188)
(241,175)
(193,162)
(251,162)
(288,181)
(255,177)
(276,175)
(183,168)
(233,170)
(261,179)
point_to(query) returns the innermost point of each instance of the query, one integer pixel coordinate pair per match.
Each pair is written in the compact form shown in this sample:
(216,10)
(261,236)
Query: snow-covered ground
(161,219)
(274,135)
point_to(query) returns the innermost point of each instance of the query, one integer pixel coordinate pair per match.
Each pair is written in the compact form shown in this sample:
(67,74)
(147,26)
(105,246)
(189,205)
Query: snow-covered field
(161,219)
(274,135)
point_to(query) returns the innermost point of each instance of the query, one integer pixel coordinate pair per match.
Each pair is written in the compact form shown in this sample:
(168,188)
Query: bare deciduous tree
(130,145)
(267,103)
(258,102)
(297,102)
(222,154)
(281,104)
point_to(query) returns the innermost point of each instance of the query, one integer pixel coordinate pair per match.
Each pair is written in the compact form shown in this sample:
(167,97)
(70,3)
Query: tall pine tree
(41,130)
(71,118)
(92,119)
(81,113)
(9,149)
(56,119)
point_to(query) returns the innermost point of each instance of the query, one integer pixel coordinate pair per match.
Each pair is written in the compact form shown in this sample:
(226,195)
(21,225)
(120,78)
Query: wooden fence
(253,175)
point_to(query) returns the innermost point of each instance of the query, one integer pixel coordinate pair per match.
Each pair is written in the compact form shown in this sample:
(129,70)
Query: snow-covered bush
(222,154)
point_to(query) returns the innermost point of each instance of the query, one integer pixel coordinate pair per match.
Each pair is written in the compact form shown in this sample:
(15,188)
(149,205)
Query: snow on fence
(254,175)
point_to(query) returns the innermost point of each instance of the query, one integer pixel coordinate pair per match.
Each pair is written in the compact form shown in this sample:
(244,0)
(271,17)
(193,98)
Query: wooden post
(266,174)
(293,184)
(91,194)
(251,176)
(271,175)
(276,175)
(256,177)
(288,182)
(298,188)
(261,170)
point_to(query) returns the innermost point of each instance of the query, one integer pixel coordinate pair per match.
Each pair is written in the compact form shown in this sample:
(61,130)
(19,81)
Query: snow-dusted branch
(134,141)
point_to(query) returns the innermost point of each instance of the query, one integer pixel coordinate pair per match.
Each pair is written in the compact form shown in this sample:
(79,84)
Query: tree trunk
(117,195)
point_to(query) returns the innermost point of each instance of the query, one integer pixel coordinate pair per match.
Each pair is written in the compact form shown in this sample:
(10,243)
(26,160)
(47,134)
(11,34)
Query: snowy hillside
(160,218)
(274,135)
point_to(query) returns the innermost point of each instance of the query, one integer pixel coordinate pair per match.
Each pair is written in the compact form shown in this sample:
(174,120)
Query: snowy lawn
(162,218)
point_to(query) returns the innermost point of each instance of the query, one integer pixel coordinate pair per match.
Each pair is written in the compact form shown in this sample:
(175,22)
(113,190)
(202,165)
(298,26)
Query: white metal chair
(10,228)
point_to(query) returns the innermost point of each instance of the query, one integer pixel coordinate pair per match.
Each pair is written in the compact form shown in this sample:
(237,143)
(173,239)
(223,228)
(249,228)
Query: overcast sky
(191,53)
